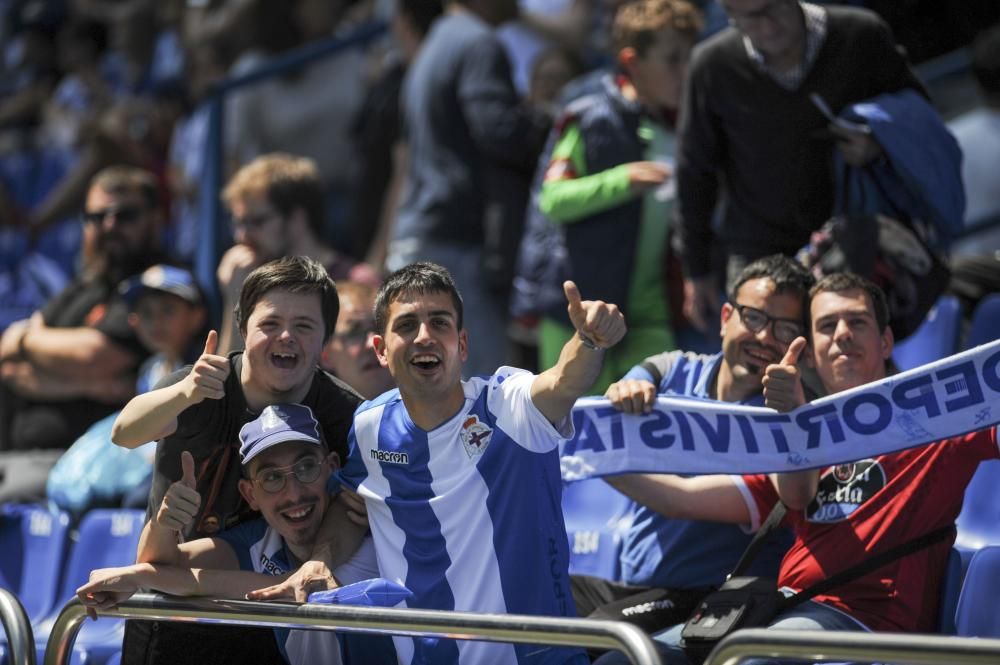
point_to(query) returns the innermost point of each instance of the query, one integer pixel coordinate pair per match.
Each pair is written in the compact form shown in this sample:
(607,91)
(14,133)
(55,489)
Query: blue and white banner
(946,398)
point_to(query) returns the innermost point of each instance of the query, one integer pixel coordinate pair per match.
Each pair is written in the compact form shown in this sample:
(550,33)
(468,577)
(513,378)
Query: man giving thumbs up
(466,473)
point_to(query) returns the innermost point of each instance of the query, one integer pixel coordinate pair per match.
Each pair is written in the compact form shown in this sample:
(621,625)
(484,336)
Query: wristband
(587,342)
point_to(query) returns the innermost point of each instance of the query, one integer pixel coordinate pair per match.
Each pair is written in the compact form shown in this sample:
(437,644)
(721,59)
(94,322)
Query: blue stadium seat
(985,326)
(32,551)
(951,588)
(936,338)
(107,538)
(597,517)
(978,613)
(979,521)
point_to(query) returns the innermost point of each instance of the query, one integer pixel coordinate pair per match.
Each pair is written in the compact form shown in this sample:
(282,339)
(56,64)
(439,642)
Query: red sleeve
(760,495)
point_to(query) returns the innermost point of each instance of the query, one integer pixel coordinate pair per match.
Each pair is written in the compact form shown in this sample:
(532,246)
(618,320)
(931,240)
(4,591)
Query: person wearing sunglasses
(73,362)
(285,463)
(684,558)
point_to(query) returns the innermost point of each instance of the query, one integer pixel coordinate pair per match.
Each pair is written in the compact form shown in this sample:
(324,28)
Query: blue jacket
(598,253)
(921,178)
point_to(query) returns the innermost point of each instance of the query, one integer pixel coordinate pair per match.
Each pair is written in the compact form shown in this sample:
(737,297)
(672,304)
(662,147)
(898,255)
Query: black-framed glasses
(123,214)
(306,471)
(755,320)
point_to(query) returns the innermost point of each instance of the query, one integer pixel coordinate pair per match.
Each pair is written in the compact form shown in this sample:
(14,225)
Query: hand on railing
(107,588)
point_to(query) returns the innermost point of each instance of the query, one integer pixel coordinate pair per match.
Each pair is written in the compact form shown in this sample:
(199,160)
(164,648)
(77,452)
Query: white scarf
(946,398)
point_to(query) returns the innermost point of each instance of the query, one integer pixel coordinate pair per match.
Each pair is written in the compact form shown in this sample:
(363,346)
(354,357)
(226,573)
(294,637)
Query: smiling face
(424,349)
(284,338)
(849,350)
(746,353)
(296,510)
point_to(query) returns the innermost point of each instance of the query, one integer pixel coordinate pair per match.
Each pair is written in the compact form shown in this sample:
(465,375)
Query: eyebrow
(266,466)
(851,312)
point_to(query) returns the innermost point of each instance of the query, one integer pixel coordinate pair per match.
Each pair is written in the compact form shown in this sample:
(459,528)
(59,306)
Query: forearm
(572,199)
(158,545)
(150,416)
(34,383)
(557,389)
(714,498)
(181,581)
(75,352)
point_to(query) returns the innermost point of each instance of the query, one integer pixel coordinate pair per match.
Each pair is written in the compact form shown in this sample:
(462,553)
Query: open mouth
(425,362)
(283,360)
(298,514)
(760,356)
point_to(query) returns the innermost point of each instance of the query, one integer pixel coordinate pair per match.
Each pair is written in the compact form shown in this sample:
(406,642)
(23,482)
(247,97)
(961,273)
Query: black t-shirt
(210,431)
(92,303)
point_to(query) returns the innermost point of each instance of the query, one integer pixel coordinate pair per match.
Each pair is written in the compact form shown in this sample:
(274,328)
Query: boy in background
(167,313)
(607,183)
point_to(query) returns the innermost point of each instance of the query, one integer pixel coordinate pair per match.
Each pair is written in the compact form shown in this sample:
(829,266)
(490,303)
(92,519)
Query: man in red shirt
(847,513)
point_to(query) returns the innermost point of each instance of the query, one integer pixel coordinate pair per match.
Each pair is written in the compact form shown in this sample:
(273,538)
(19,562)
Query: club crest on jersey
(475,436)
(844,488)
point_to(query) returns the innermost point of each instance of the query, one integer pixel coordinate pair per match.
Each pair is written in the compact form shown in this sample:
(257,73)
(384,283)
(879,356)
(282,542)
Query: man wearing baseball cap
(286,464)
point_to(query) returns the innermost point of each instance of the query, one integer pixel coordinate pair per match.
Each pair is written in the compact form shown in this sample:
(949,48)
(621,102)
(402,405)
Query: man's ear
(463,344)
(247,492)
(724,314)
(378,342)
(133,320)
(333,459)
(888,342)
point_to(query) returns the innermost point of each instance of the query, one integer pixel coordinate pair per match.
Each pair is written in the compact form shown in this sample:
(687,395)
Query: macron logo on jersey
(389,457)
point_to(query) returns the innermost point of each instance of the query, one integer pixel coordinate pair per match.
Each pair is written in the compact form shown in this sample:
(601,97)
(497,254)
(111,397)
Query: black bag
(652,609)
(889,249)
(752,602)
(742,602)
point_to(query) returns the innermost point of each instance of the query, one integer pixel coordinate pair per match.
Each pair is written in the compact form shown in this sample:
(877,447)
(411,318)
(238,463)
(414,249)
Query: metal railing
(20,639)
(855,647)
(588,633)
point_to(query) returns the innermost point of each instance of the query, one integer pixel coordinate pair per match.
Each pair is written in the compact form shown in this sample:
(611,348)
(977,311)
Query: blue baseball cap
(168,279)
(278,423)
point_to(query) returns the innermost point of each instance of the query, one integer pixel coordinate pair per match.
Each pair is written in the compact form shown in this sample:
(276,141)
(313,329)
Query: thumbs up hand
(180,503)
(598,323)
(782,382)
(207,379)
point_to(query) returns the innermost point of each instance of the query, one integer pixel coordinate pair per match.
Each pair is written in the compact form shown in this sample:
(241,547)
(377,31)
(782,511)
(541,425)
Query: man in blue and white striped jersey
(461,478)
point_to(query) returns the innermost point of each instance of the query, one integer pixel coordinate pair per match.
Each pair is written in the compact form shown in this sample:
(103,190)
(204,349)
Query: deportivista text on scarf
(946,398)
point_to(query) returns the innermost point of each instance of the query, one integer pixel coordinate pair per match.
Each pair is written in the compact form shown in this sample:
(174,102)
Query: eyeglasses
(306,471)
(122,214)
(755,320)
(771,11)
(357,334)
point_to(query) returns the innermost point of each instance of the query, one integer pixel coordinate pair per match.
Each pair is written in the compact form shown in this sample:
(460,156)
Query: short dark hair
(839,282)
(295,274)
(423,277)
(121,180)
(788,275)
